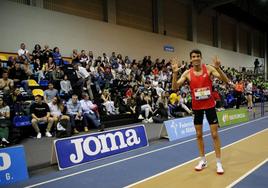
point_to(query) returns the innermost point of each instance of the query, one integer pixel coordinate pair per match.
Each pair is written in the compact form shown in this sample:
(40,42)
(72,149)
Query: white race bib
(202,93)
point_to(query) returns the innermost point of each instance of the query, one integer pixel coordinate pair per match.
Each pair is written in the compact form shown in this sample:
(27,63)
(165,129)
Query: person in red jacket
(199,77)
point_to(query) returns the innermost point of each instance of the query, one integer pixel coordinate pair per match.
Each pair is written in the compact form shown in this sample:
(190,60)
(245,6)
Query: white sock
(218,160)
(203,158)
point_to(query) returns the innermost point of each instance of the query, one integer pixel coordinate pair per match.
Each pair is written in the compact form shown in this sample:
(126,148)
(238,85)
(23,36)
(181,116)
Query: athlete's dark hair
(196,51)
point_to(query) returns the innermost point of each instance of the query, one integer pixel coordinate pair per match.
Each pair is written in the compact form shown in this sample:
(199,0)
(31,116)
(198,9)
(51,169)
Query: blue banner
(85,148)
(182,127)
(13,166)
(169,48)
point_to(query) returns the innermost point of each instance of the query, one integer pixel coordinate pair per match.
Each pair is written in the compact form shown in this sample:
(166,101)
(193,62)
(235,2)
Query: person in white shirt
(23,52)
(84,76)
(90,113)
(56,108)
(249,87)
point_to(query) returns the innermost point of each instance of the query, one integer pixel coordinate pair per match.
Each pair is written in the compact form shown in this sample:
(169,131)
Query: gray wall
(31,25)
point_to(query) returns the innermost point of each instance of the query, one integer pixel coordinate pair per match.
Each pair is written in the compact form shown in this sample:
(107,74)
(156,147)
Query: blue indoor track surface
(127,168)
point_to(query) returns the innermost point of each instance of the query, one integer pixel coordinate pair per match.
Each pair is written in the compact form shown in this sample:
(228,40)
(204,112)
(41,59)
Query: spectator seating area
(124,90)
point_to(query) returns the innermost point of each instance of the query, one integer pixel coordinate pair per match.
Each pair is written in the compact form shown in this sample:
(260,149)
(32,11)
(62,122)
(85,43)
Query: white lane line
(159,174)
(136,156)
(246,174)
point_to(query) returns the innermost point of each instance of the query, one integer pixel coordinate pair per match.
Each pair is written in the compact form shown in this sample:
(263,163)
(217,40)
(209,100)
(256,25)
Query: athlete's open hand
(216,62)
(175,64)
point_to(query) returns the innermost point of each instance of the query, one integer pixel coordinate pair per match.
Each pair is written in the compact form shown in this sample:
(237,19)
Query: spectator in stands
(47,52)
(239,89)
(6,84)
(248,90)
(256,66)
(57,75)
(83,59)
(57,56)
(84,79)
(183,103)
(37,52)
(65,87)
(161,114)
(75,56)
(41,114)
(74,111)
(107,102)
(90,113)
(57,112)
(4,123)
(23,52)
(146,107)
(48,68)
(28,69)
(38,70)
(50,93)
(19,76)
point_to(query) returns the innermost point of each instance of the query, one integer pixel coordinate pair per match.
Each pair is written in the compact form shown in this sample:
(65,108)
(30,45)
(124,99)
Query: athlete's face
(196,59)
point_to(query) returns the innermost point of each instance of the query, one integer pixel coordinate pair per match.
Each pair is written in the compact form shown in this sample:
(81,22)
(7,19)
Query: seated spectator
(107,102)
(50,93)
(48,68)
(41,114)
(23,52)
(56,110)
(161,114)
(66,87)
(4,123)
(38,70)
(19,76)
(6,84)
(74,111)
(90,114)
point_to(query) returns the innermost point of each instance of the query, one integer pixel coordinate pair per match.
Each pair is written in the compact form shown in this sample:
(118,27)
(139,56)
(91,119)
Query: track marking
(183,164)
(246,174)
(136,156)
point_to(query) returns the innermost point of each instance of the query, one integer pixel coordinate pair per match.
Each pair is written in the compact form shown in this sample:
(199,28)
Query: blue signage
(13,166)
(169,48)
(85,148)
(182,127)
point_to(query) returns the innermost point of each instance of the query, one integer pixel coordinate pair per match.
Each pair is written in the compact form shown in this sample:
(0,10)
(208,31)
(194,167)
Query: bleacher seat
(43,83)
(32,83)
(38,92)
(21,121)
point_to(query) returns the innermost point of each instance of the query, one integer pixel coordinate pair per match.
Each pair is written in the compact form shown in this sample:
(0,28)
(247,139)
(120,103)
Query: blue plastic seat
(22,121)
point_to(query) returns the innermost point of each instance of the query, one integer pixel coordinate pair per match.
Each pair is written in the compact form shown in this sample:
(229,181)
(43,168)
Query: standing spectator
(4,123)
(256,66)
(37,52)
(239,89)
(41,114)
(249,87)
(74,111)
(57,56)
(47,52)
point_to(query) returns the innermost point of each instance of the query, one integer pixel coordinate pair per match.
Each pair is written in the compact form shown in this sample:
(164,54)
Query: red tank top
(201,90)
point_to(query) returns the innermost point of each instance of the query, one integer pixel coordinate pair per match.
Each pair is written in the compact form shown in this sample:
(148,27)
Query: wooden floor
(238,159)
